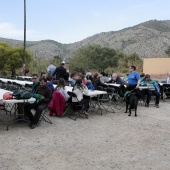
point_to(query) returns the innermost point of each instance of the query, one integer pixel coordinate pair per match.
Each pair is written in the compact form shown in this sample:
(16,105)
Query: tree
(3,50)
(168,51)
(135,60)
(57,60)
(12,57)
(94,57)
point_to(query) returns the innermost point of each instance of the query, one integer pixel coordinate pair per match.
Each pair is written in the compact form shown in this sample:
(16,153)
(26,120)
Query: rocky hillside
(148,39)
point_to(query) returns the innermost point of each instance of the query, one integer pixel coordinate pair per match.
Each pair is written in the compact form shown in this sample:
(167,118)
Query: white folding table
(14,102)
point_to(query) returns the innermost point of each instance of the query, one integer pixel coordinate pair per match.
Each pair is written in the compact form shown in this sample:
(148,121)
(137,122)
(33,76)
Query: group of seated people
(44,90)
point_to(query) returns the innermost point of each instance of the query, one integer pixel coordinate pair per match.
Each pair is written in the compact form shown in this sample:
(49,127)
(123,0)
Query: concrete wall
(156,65)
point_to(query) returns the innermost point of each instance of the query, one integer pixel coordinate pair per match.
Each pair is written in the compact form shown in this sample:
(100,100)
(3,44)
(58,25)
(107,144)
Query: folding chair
(105,101)
(12,87)
(44,117)
(118,98)
(68,104)
(165,91)
(77,107)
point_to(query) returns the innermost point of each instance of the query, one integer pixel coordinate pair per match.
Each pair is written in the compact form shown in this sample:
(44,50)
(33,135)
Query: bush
(125,70)
(109,70)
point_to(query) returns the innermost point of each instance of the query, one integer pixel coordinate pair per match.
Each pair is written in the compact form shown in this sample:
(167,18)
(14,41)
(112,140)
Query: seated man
(116,79)
(153,89)
(36,83)
(44,96)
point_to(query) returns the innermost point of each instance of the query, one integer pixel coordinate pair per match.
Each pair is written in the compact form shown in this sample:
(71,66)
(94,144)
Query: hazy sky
(69,21)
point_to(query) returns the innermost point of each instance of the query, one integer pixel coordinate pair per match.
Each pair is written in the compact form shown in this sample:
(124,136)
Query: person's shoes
(157,105)
(33,126)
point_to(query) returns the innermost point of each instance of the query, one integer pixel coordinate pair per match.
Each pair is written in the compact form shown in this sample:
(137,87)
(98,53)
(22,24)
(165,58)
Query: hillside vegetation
(148,39)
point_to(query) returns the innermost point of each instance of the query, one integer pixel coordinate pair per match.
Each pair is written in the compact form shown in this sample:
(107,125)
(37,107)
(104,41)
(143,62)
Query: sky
(69,21)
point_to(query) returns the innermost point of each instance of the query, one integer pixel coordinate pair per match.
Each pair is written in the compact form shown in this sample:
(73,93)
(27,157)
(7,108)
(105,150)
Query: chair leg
(44,117)
(79,112)
(66,110)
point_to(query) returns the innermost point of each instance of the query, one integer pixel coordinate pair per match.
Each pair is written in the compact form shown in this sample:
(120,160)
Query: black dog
(132,102)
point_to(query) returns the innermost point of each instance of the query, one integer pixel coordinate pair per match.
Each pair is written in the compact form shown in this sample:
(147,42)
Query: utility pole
(24,65)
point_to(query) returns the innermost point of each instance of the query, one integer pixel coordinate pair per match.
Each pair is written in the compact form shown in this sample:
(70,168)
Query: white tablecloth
(14,101)
(91,93)
(2,91)
(17,81)
(95,93)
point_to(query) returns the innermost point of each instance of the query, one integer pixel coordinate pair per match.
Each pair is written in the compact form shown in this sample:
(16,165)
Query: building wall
(156,65)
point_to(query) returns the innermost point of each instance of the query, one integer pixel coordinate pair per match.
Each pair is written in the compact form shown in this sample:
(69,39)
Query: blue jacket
(90,86)
(155,84)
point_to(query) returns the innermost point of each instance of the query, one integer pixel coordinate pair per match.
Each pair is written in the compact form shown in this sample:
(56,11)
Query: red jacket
(57,104)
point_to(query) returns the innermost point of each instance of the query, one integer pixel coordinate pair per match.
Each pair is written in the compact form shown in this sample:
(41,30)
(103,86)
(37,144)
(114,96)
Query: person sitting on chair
(43,95)
(49,82)
(153,89)
(79,89)
(116,79)
(145,92)
(60,97)
(74,77)
(36,83)
(61,88)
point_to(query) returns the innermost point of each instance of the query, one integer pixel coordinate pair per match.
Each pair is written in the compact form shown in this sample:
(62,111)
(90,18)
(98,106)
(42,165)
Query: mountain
(148,39)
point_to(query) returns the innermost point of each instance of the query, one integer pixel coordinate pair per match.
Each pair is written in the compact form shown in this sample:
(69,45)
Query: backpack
(22,94)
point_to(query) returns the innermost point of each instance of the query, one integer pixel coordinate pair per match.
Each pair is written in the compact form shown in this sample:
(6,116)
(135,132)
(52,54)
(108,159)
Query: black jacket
(60,72)
(117,81)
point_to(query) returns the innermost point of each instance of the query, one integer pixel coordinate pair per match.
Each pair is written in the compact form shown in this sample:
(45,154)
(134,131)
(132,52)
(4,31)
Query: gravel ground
(108,141)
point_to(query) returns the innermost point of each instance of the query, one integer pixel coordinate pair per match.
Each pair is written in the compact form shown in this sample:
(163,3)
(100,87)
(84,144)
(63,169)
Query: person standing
(50,69)
(133,81)
(60,72)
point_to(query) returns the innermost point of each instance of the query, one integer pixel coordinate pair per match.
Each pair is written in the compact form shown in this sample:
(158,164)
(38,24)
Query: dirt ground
(108,141)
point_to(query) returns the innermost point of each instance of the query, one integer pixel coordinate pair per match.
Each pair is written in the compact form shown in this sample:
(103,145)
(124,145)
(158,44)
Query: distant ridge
(147,39)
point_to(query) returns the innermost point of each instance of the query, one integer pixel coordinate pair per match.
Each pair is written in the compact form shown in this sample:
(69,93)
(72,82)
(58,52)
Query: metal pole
(24,65)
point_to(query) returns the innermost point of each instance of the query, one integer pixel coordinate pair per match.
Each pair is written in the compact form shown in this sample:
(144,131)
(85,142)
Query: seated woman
(79,89)
(60,97)
(97,81)
(74,77)
(61,88)
(81,76)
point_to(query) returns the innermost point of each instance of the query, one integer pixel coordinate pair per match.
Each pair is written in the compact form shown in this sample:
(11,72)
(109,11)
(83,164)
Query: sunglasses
(147,77)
